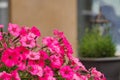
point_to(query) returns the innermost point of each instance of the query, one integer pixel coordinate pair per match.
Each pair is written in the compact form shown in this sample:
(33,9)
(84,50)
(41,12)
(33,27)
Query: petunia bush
(22,57)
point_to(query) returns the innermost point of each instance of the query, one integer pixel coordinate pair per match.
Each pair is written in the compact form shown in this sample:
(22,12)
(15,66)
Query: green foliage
(95,45)
(24,75)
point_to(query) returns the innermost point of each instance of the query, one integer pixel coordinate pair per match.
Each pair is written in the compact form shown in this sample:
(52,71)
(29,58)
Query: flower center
(10,57)
(66,72)
(28,41)
(14,29)
(32,56)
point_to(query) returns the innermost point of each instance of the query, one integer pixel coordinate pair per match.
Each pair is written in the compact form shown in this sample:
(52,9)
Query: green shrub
(95,45)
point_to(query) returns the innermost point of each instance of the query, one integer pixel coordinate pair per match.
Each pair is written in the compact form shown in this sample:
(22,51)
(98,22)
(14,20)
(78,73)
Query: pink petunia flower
(52,44)
(47,78)
(39,62)
(1,26)
(58,34)
(79,77)
(97,75)
(5,76)
(35,70)
(24,31)
(66,72)
(28,42)
(22,63)
(43,55)
(35,31)
(76,62)
(76,77)
(10,57)
(68,48)
(1,36)
(51,78)
(23,52)
(65,45)
(9,76)
(15,75)
(55,61)
(31,35)
(33,55)
(48,71)
(14,29)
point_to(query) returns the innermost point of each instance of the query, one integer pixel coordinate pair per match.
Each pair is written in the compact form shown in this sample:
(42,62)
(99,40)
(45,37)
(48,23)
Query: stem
(43,47)
(16,38)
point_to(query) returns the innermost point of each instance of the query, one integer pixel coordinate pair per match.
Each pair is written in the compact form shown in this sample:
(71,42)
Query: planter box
(109,66)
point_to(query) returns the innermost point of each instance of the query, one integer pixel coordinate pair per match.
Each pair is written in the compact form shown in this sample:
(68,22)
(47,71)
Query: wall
(47,15)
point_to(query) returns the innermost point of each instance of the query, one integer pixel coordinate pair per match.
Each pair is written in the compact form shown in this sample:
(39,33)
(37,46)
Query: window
(4,13)
(84,7)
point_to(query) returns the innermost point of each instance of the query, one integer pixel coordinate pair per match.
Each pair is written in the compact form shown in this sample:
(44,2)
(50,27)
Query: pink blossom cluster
(23,58)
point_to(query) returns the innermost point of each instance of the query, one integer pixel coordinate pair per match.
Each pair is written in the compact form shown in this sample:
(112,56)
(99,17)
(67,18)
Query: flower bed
(22,58)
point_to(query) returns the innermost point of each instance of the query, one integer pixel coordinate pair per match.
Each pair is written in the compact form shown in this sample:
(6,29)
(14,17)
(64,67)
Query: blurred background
(70,16)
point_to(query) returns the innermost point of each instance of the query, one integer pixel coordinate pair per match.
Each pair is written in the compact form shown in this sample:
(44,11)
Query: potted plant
(99,51)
